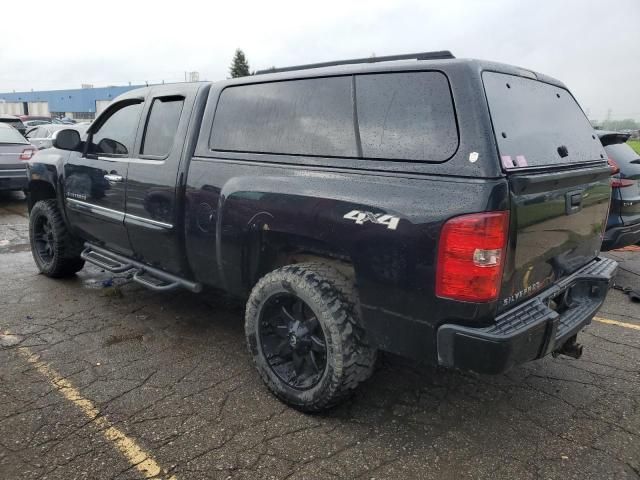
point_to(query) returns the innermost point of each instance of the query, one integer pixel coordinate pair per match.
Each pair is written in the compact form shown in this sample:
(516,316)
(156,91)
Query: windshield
(538,124)
(11,135)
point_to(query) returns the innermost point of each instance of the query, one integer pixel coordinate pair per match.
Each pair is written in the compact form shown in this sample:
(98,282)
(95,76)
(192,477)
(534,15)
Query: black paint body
(226,218)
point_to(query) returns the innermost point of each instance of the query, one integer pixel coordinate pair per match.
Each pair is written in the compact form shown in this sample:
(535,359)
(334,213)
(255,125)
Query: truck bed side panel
(233,206)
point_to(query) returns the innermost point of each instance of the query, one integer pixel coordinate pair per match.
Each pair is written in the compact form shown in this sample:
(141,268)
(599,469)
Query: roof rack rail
(439,55)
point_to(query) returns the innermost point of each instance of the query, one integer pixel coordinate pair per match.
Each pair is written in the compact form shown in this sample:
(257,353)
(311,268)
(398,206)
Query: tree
(624,124)
(239,65)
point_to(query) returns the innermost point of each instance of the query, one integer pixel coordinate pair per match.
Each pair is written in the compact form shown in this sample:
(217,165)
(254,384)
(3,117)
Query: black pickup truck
(444,209)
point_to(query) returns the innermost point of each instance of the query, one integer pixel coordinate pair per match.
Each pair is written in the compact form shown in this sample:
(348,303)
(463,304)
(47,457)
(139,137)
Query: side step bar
(150,277)
(104,261)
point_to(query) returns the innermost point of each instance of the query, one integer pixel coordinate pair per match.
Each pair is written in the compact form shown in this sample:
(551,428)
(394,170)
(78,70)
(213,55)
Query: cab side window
(118,133)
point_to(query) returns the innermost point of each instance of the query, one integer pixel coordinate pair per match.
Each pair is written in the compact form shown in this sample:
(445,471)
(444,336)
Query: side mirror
(67,139)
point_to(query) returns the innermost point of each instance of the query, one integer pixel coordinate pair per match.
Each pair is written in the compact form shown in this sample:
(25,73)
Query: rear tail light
(613,166)
(26,154)
(604,225)
(622,182)
(471,256)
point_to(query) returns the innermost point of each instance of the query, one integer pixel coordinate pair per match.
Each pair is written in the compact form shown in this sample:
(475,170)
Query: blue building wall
(77,100)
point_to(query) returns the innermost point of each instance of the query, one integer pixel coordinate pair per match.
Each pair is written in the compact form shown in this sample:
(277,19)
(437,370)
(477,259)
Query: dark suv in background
(623,225)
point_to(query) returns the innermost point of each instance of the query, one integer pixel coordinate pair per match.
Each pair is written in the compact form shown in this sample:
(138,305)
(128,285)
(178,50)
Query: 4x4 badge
(361,217)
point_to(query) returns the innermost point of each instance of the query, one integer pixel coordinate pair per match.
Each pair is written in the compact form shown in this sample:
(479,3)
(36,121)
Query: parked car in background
(35,123)
(63,120)
(42,136)
(623,225)
(13,121)
(14,150)
(35,118)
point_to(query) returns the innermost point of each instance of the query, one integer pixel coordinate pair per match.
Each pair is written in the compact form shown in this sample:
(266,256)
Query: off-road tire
(350,358)
(66,259)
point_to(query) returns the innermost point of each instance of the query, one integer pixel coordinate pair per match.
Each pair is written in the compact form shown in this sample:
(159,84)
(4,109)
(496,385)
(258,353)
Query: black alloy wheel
(305,337)
(43,239)
(293,342)
(55,250)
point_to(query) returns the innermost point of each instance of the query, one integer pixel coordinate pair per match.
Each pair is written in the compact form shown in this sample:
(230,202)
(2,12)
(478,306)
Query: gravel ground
(96,380)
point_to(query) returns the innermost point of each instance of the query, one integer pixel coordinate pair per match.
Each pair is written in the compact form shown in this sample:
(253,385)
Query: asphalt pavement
(103,379)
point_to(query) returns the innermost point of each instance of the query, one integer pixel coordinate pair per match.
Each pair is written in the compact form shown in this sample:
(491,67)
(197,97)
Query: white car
(14,151)
(41,136)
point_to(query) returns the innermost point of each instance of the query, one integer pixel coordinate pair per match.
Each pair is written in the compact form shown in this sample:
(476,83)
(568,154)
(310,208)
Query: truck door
(94,181)
(153,207)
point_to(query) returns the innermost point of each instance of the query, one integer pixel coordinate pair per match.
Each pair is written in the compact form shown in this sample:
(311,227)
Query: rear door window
(537,124)
(296,117)
(407,116)
(162,126)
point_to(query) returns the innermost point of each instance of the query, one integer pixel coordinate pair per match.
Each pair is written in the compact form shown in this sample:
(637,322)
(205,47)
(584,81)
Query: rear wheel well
(278,250)
(39,190)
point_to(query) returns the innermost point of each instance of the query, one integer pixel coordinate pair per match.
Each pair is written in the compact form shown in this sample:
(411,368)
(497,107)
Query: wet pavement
(99,379)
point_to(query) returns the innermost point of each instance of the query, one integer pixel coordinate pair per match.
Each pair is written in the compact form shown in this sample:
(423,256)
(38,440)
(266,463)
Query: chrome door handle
(113,178)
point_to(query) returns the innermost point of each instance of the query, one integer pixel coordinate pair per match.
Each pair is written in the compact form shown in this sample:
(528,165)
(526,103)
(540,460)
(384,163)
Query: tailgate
(557,225)
(626,200)
(558,178)
(12,144)
(629,196)
(10,156)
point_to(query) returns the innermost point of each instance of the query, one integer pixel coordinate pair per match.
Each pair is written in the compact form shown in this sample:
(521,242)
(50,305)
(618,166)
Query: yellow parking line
(615,322)
(138,458)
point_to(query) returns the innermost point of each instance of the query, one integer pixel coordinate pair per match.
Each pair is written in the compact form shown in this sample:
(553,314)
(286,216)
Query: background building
(81,104)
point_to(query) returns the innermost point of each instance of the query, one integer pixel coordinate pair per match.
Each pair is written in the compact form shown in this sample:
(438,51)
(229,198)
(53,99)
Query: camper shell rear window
(537,124)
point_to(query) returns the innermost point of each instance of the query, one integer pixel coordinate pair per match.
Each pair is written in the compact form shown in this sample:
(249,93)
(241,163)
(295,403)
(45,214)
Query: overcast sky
(592,46)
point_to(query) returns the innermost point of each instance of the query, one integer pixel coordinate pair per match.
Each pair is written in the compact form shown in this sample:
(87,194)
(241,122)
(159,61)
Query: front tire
(55,251)
(305,337)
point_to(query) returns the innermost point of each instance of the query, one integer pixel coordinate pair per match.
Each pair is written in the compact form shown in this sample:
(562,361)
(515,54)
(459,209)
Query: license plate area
(576,294)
